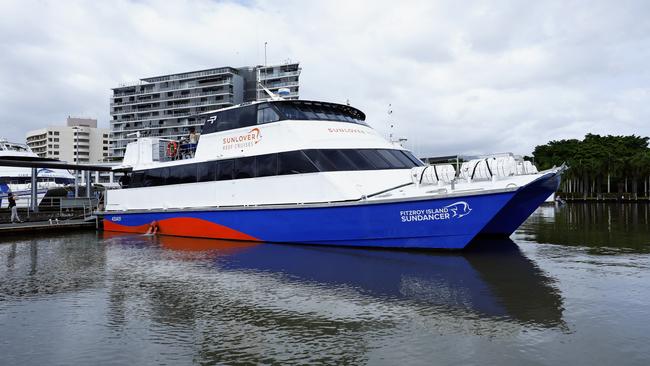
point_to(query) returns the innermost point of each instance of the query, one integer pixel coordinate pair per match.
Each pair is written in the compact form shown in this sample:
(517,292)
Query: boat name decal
(116,218)
(248,139)
(346,130)
(455,210)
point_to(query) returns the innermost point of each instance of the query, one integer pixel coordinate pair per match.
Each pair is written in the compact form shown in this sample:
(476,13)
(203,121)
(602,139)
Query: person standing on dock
(14,208)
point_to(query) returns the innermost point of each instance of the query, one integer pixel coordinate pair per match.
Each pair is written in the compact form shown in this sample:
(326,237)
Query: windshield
(320,111)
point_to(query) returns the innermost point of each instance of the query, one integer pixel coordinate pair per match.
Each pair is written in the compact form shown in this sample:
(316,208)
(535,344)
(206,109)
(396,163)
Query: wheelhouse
(280,110)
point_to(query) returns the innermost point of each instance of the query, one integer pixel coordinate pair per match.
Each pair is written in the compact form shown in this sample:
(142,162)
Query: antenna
(390,112)
(265,53)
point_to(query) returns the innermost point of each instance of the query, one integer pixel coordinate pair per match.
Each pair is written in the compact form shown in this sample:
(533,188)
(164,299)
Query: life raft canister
(172,148)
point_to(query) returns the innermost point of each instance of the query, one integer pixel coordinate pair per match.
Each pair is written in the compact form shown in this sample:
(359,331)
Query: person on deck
(194,137)
(14,209)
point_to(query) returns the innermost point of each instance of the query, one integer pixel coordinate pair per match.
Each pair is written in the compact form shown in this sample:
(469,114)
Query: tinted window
(289,111)
(320,160)
(227,120)
(172,175)
(267,165)
(266,115)
(246,116)
(294,162)
(206,172)
(245,168)
(360,161)
(154,177)
(341,162)
(185,173)
(225,170)
(415,160)
(392,160)
(406,162)
(375,159)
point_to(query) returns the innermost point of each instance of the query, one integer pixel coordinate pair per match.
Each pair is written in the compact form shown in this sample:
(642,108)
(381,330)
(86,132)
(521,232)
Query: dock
(34,226)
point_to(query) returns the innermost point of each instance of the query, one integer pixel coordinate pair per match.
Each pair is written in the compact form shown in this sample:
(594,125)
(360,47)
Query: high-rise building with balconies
(168,106)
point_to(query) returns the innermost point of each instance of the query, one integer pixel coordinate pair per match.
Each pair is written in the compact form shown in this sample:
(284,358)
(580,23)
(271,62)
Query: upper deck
(258,113)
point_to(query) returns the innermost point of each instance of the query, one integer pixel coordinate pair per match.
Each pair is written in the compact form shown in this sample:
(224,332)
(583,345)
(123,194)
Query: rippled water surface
(571,287)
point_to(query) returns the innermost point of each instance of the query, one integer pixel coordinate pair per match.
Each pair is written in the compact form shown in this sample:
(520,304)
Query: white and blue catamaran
(296,171)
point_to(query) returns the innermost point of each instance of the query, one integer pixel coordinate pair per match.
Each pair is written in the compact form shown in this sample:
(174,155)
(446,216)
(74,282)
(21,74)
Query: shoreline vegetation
(601,168)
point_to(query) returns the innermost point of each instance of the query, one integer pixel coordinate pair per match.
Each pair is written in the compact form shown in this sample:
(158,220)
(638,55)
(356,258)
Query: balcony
(180,106)
(193,85)
(277,75)
(164,99)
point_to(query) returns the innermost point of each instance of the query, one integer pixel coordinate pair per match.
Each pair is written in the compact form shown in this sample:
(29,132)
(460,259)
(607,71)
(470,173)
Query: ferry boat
(311,172)
(19,180)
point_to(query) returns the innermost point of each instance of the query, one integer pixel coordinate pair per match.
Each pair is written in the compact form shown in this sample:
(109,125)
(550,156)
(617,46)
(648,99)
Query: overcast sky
(462,76)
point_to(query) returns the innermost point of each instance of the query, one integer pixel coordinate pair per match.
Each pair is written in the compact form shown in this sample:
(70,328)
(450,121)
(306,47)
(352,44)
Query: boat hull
(522,205)
(444,223)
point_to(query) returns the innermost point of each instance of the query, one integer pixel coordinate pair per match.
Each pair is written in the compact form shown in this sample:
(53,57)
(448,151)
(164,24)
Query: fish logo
(459,209)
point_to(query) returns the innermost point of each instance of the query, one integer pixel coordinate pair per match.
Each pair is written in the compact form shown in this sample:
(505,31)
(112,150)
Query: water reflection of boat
(502,284)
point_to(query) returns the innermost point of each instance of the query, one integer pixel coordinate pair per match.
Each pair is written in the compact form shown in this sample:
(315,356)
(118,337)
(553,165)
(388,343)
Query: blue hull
(521,206)
(447,223)
(444,223)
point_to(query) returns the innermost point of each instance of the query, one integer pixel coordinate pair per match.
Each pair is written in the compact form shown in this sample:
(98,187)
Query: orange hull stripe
(184,226)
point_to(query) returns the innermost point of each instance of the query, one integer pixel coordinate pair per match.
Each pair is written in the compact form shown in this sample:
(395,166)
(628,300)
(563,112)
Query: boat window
(172,175)
(267,165)
(291,112)
(206,172)
(226,120)
(415,160)
(245,168)
(359,160)
(185,173)
(375,159)
(266,114)
(154,177)
(246,116)
(136,179)
(294,162)
(225,170)
(391,159)
(399,155)
(341,162)
(320,160)
(280,110)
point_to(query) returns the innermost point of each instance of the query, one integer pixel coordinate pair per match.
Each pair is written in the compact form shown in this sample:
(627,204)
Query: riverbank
(605,197)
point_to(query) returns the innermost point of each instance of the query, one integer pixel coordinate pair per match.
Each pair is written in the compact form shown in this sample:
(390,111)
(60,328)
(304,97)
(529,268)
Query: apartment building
(78,141)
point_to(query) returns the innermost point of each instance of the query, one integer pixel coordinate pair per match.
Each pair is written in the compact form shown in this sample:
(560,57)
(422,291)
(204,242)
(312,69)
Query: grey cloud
(461,77)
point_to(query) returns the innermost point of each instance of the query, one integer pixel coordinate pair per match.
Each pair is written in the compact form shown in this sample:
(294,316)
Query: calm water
(571,287)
